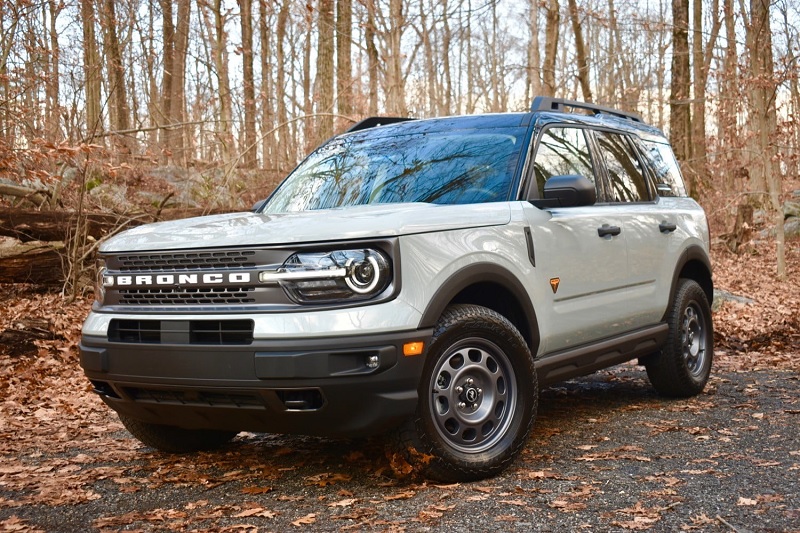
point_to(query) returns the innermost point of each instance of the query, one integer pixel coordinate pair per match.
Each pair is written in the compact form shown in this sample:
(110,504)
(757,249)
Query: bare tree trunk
(178,114)
(764,175)
(225,97)
(446,103)
(53,118)
(701,63)
(167,134)
(679,117)
(533,80)
(282,138)
(344,69)
(92,69)
(250,149)
(323,85)
(553,18)
(270,94)
(395,84)
(729,100)
(373,63)
(117,88)
(580,52)
(308,103)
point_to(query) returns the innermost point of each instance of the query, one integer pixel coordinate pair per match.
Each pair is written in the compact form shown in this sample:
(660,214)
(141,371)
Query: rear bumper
(319,387)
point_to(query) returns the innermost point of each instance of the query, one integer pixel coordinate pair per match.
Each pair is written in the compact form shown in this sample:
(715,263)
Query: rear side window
(666,171)
(626,181)
(562,151)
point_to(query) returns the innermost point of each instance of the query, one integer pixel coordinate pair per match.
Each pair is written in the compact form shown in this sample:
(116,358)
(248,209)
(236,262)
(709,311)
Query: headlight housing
(99,285)
(335,276)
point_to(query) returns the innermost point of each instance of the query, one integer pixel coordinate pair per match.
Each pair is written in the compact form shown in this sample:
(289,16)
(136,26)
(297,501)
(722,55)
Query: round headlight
(363,275)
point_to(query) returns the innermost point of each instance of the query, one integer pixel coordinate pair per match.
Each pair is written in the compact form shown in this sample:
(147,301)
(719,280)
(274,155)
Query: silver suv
(420,277)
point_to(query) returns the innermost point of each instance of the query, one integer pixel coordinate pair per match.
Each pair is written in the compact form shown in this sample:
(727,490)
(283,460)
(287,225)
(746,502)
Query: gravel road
(606,454)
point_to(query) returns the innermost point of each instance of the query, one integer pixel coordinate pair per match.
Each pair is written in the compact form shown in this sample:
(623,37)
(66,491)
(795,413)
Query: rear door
(649,227)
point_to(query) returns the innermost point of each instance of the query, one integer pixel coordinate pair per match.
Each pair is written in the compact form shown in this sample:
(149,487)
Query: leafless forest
(108,106)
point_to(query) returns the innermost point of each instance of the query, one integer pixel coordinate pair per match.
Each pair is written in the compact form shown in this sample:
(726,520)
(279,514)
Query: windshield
(449,167)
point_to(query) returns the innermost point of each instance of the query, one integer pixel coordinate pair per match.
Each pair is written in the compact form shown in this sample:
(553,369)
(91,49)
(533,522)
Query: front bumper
(319,387)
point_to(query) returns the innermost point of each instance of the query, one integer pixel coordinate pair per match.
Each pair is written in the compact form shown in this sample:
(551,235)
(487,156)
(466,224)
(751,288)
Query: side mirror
(257,206)
(569,191)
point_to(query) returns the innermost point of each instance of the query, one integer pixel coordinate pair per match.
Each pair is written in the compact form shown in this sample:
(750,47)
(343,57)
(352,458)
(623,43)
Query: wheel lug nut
(469,381)
(480,391)
(461,405)
(459,389)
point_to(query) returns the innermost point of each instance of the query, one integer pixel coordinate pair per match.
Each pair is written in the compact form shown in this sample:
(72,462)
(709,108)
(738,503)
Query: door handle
(605,229)
(667,227)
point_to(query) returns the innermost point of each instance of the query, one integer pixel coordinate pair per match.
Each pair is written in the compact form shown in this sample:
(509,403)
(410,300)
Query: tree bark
(344,69)
(323,85)
(92,70)
(552,18)
(533,76)
(53,118)
(33,262)
(580,52)
(765,176)
(250,158)
(373,62)
(395,84)
(117,88)
(679,117)
(701,63)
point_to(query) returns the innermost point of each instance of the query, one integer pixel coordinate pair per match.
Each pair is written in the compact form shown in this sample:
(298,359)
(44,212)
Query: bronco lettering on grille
(145,280)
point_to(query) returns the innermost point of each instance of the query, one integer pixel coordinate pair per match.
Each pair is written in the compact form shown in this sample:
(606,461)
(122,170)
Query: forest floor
(606,452)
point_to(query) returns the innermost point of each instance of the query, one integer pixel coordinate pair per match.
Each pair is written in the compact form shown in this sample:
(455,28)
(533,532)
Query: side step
(559,366)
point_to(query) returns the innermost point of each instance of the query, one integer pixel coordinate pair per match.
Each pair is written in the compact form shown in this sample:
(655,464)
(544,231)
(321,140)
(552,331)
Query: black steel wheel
(683,366)
(477,399)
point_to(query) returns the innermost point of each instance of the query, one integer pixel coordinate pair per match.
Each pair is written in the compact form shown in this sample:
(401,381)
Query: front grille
(194,398)
(181,261)
(188,296)
(209,332)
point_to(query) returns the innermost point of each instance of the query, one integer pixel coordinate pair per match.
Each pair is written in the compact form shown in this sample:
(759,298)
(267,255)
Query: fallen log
(29,225)
(32,262)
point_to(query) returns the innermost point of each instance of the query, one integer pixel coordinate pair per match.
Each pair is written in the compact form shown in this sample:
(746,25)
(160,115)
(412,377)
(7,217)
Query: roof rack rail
(372,122)
(547,103)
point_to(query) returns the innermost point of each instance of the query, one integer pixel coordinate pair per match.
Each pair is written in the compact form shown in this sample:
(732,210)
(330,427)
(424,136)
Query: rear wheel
(683,366)
(477,398)
(174,439)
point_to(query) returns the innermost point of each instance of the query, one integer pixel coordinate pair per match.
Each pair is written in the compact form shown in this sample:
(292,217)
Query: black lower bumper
(339,387)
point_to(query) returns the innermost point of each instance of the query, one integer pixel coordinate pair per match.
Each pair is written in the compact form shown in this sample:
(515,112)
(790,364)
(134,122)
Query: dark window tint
(562,151)
(451,167)
(665,168)
(625,178)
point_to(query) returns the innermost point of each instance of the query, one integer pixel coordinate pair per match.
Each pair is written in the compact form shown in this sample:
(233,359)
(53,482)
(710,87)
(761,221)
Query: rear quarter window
(666,171)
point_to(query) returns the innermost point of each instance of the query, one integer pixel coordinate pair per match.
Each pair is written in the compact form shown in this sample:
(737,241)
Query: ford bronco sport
(419,277)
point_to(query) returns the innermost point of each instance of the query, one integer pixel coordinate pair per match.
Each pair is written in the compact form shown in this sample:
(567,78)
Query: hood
(254,229)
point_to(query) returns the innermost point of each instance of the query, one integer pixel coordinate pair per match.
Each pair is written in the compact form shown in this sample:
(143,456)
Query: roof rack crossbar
(547,103)
(372,122)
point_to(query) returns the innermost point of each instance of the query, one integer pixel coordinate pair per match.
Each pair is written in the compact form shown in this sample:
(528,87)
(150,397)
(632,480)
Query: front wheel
(174,439)
(683,366)
(477,398)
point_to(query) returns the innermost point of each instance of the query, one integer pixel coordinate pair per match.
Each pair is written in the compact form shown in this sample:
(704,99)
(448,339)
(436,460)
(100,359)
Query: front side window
(562,151)
(625,177)
(446,167)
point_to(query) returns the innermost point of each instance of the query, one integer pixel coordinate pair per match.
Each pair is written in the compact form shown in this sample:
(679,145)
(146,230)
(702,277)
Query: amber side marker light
(413,348)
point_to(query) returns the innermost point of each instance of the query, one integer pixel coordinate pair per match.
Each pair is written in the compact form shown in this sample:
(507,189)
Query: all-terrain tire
(174,439)
(683,366)
(477,398)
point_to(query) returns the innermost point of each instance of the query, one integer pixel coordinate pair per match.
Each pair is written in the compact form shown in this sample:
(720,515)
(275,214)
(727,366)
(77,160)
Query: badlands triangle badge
(554,284)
